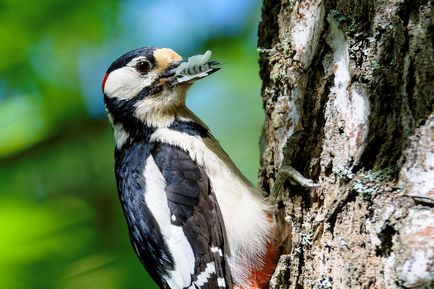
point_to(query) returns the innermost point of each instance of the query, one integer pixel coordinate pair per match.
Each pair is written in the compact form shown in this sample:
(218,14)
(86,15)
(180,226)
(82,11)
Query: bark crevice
(348,91)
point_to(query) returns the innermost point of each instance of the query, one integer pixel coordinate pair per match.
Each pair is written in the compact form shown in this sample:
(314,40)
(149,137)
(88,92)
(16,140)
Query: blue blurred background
(61,225)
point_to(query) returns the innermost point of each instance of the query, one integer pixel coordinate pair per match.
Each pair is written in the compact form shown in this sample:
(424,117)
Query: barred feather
(197,66)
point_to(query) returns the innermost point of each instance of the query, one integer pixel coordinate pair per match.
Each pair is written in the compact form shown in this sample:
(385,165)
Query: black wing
(144,230)
(193,206)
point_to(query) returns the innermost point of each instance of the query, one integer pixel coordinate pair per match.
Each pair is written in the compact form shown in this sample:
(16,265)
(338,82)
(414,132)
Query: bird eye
(143,66)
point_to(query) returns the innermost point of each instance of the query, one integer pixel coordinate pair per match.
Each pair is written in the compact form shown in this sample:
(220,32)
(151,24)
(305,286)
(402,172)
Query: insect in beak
(196,67)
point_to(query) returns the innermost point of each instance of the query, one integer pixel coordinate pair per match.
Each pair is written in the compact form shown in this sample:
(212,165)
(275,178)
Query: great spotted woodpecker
(194,220)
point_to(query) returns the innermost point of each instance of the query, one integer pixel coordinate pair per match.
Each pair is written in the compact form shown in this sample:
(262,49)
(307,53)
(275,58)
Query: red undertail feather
(260,278)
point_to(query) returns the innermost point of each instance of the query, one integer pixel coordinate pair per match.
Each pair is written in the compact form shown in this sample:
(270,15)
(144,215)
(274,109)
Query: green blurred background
(61,225)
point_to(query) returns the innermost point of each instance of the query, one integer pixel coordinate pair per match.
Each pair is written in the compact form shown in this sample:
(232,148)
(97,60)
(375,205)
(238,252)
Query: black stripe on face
(190,128)
(147,52)
(122,111)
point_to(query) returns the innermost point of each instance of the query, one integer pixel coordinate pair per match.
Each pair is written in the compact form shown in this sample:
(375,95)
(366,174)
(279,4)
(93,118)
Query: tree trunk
(355,80)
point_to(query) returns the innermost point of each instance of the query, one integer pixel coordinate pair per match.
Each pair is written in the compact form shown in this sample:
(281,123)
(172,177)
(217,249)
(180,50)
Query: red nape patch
(103,81)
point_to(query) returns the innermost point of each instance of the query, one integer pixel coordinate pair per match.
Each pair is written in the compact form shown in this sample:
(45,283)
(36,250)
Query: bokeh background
(61,225)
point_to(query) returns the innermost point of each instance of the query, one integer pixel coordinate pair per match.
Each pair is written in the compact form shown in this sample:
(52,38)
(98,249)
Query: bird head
(149,84)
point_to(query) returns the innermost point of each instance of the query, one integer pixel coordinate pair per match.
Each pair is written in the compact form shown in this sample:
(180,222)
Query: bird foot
(295,177)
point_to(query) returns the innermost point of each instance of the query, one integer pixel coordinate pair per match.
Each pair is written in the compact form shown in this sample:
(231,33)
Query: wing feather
(194,208)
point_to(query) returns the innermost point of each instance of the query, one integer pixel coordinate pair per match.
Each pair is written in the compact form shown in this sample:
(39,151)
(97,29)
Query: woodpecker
(194,220)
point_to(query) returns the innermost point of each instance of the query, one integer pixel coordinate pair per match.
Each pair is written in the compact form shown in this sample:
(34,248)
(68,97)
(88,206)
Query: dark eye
(143,66)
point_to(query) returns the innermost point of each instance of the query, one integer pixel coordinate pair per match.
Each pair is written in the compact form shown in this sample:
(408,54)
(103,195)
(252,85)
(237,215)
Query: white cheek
(126,83)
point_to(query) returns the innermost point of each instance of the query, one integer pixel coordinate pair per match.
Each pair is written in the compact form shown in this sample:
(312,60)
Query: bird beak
(188,71)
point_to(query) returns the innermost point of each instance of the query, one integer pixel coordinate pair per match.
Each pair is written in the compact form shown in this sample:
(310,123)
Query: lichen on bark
(357,78)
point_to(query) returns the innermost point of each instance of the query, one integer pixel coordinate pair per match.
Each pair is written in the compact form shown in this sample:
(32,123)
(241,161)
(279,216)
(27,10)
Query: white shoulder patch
(180,248)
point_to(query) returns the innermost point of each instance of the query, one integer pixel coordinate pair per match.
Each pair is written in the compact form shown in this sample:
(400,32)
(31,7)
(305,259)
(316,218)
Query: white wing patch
(203,277)
(221,282)
(217,250)
(174,236)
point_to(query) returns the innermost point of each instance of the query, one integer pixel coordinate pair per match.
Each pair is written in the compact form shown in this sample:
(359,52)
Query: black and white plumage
(194,220)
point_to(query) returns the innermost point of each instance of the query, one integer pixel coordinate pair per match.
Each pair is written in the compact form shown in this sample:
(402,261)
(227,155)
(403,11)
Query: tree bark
(348,91)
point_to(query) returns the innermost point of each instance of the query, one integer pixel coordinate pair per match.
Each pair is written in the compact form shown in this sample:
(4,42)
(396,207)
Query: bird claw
(295,177)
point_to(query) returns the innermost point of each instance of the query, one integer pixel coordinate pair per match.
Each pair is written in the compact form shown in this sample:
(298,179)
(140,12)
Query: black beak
(170,70)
